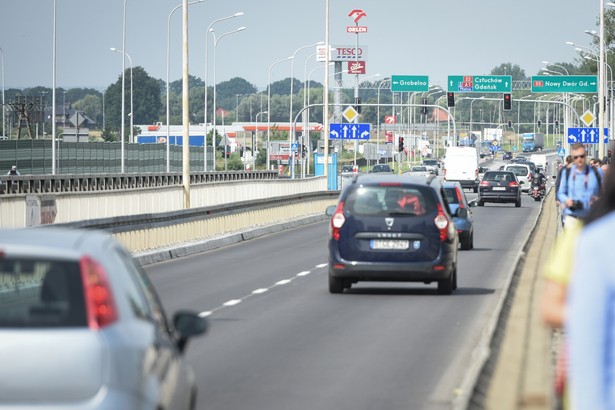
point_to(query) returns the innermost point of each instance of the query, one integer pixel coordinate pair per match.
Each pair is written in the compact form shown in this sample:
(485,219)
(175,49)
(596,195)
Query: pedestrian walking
(579,187)
(590,321)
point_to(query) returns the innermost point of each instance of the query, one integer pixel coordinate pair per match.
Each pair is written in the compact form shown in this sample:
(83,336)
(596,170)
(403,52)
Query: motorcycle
(538,190)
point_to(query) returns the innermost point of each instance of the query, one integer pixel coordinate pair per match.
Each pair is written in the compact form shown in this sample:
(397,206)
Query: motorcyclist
(539,180)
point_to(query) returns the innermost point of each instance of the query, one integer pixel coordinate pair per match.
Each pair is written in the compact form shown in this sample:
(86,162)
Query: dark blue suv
(392,228)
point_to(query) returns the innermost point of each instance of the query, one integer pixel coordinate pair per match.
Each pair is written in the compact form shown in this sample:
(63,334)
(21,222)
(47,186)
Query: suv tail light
(100,306)
(441,222)
(513,184)
(337,221)
(459,197)
(484,183)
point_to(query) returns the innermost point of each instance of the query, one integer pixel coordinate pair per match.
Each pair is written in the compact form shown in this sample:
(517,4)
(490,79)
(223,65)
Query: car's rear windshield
(419,169)
(499,177)
(430,162)
(36,293)
(519,171)
(386,200)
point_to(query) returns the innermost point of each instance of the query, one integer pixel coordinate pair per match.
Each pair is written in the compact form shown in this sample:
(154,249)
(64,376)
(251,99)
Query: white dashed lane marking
(234,302)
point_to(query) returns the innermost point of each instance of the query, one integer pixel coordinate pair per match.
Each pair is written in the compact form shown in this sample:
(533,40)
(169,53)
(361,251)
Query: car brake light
(459,197)
(441,222)
(100,306)
(444,173)
(513,184)
(476,173)
(529,176)
(484,183)
(337,221)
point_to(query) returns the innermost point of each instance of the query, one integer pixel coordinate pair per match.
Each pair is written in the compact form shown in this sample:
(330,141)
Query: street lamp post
(53,94)
(123,125)
(167,82)
(254,145)
(269,104)
(290,116)
(3,106)
(216,39)
(131,113)
(206,105)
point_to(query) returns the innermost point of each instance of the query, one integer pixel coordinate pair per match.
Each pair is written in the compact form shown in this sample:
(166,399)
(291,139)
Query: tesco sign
(342,53)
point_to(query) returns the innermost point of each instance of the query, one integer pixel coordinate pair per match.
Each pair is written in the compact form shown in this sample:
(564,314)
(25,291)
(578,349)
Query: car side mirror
(462,212)
(330,210)
(472,204)
(188,324)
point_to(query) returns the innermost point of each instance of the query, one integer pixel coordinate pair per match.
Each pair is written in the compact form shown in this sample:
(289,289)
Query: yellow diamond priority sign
(588,118)
(350,113)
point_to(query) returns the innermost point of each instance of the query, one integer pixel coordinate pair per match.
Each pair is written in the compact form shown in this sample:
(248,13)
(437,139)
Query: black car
(382,168)
(507,156)
(393,229)
(499,186)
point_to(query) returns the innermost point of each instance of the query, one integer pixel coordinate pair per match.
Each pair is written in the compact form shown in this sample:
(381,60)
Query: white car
(523,173)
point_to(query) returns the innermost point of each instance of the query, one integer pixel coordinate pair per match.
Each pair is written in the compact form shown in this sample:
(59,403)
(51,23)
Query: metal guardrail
(42,184)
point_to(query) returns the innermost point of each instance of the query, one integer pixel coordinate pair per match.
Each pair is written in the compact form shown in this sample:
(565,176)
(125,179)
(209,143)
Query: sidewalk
(522,373)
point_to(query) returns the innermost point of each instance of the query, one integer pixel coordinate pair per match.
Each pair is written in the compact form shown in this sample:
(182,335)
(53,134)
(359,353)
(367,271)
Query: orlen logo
(357,14)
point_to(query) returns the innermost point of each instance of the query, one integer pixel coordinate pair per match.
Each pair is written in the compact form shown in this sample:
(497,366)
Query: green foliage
(511,69)
(110,136)
(91,104)
(232,87)
(177,85)
(146,100)
(234,162)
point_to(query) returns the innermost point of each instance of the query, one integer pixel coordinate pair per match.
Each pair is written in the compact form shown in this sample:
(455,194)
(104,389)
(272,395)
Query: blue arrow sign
(586,135)
(349,131)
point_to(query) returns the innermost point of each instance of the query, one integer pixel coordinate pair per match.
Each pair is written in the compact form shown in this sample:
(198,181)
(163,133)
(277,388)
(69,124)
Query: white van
(540,160)
(461,165)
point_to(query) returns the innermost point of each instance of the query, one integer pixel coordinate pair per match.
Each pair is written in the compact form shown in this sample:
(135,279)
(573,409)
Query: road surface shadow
(427,291)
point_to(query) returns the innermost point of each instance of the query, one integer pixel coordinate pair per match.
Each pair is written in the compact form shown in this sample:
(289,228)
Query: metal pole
(3,102)
(601,85)
(123,125)
(53,95)
(185,109)
(326,94)
(131,105)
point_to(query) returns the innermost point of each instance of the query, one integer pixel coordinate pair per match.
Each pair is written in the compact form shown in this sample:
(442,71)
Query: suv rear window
(451,195)
(384,200)
(38,293)
(499,176)
(519,171)
(430,162)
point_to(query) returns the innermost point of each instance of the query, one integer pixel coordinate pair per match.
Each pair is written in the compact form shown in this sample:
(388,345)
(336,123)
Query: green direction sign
(409,83)
(479,83)
(564,84)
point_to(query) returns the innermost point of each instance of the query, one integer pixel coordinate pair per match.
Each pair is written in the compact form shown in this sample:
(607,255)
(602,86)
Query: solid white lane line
(205,314)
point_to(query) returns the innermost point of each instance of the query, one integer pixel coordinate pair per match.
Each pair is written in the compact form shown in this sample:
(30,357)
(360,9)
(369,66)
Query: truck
(532,141)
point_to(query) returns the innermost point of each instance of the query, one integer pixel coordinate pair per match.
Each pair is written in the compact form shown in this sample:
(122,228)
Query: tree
(92,106)
(232,87)
(517,73)
(282,87)
(146,99)
(177,85)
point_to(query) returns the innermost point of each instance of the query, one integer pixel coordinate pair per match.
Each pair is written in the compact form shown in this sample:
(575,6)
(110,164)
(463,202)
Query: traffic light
(424,107)
(507,102)
(539,123)
(557,123)
(450,99)
(509,124)
(357,104)
(401,144)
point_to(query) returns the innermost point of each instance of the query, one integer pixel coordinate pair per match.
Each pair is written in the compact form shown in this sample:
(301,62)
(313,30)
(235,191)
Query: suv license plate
(499,188)
(389,244)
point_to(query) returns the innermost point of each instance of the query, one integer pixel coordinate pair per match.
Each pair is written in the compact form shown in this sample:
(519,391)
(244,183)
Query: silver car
(82,327)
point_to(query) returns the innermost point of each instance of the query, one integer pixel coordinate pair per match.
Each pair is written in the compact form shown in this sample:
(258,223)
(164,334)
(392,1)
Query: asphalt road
(279,340)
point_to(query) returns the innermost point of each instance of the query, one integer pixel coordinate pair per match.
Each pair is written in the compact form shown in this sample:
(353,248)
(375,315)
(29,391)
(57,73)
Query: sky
(436,38)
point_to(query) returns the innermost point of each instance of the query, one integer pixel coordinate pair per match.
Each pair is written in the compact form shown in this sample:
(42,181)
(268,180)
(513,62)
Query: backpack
(587,167)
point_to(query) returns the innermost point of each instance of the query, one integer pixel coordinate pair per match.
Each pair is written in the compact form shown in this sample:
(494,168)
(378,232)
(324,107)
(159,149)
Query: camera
(576,206)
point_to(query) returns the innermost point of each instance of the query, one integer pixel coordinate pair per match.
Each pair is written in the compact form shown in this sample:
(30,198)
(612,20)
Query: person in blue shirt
(590,320)
(579,187)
